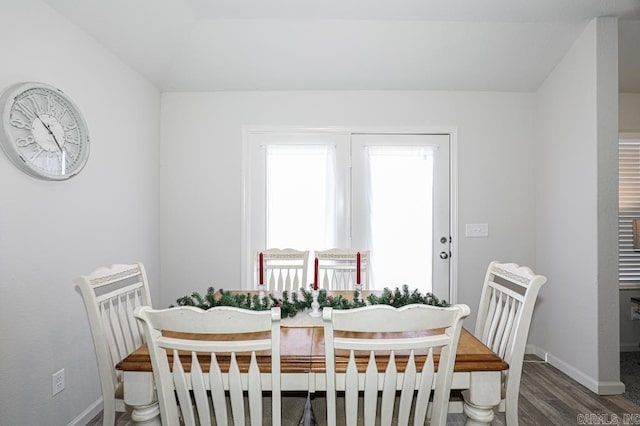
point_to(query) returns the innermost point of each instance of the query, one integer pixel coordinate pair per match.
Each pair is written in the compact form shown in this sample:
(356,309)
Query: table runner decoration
(292,303)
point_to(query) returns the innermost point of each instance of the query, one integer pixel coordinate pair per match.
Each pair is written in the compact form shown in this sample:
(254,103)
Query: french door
(400,209)
(386,193)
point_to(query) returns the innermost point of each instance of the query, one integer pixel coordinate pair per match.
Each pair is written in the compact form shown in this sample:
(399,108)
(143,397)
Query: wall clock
(42,131)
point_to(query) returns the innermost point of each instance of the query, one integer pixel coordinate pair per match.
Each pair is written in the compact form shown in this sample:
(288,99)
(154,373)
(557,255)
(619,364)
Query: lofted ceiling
(210,45)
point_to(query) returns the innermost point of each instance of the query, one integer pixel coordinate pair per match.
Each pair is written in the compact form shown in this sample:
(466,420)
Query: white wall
(52,231)
(629,124)
(576,212)
(201,172)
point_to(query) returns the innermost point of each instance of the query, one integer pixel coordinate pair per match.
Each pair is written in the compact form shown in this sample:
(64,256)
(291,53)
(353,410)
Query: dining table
(302,361)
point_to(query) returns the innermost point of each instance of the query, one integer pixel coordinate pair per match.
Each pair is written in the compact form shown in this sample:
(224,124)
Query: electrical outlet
(476,230)
(57,382)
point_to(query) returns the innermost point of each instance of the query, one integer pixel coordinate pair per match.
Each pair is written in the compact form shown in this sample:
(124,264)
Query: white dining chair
(337,269)
(231,390)
(283,269)
(110,295)
(506,306)
(383,392)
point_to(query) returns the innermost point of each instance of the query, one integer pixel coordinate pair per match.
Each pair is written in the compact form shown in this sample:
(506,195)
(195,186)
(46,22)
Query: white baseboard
(531,349)
(87,415)
(598,387)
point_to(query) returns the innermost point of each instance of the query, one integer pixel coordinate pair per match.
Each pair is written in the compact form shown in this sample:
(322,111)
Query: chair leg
(108,412)
(511,412)
(108,418)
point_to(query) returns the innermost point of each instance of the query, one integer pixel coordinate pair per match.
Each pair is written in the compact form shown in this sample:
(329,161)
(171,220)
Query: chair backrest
(110,295)
(283,269)
(199,376)
(337,269)
(504,315)
(367,362)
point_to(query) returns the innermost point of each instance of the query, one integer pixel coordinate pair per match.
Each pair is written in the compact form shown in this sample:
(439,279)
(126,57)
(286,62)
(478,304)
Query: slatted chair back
(337,269)
(283,269)
(358,363)
(506,306)
(207,379)
(110,295)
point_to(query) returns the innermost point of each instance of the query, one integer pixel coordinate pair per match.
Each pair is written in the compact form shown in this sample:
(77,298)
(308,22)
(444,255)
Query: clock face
(43,132)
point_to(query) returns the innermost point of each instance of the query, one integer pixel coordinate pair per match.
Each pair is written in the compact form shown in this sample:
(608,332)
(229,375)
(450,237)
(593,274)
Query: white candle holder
(261,292)
(315,306)
(359,291)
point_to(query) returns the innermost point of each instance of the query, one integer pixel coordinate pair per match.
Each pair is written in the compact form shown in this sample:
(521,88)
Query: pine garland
(291,305)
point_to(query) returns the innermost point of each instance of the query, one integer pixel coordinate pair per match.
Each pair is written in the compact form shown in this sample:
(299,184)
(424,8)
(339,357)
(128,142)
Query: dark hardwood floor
(547,397)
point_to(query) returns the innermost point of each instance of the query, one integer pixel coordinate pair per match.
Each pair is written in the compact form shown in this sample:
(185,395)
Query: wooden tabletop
(302,351)
(295,351)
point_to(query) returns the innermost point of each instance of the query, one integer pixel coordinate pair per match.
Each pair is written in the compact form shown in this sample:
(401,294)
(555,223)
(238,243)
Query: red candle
(315,275)
(358,268)
(261,270)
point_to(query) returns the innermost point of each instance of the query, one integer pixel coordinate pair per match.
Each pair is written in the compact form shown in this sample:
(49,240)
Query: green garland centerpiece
(291,304)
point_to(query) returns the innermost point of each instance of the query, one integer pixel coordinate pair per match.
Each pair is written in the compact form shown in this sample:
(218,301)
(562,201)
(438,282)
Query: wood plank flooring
(547,397)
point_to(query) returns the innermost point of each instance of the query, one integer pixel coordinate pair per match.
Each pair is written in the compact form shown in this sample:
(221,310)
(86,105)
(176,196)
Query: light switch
(476,230)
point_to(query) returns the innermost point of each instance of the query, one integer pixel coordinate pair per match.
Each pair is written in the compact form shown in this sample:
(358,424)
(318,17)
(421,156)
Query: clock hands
(50,132)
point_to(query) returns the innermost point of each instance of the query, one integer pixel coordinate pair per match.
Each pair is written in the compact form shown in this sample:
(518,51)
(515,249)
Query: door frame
(246,265)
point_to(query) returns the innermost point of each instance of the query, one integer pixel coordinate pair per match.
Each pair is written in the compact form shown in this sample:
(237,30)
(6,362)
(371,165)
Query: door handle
(444,255)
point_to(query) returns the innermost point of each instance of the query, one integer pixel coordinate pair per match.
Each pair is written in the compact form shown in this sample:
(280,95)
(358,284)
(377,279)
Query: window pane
(401,194)
(300,196)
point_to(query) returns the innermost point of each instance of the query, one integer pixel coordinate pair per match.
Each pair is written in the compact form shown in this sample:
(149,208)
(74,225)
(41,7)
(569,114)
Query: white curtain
(300,196)
(400,199)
